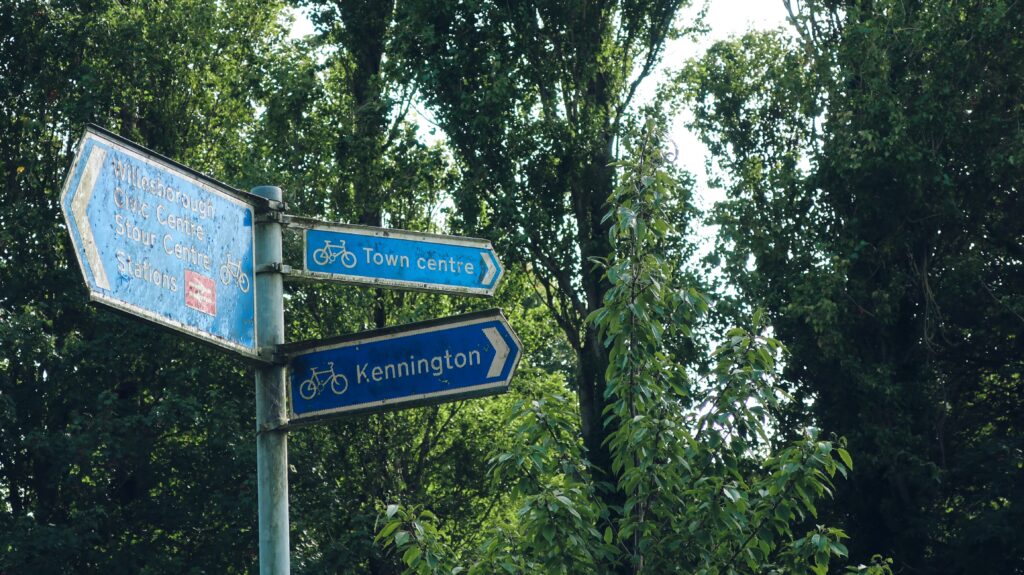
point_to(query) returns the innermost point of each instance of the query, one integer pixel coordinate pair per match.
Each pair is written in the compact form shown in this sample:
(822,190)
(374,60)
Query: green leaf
(388,530)
(839,549)
(845,456)
(411,556)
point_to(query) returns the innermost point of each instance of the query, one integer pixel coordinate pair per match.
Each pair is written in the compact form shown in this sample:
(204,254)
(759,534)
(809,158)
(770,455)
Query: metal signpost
(271,401)
(160,241)
(400,259)
(453,358)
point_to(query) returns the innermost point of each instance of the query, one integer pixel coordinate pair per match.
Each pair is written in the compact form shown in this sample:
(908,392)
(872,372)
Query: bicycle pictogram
(332,252)
(232,270)
(318,380)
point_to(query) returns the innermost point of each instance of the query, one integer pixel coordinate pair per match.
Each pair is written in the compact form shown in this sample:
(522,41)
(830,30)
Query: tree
(119,445)
(705,490)
(535,99)
(126,449)
(335,135)
(361,30)
(872,168)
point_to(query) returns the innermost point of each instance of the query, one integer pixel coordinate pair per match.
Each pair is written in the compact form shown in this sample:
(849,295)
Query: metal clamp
(274,216)
(275,205)
(274,267)
(267,354)
(281,426)
(273,355)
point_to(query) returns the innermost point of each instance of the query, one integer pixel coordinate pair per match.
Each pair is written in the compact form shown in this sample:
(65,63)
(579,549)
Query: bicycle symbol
(331,252)
(232,270)
(318,380)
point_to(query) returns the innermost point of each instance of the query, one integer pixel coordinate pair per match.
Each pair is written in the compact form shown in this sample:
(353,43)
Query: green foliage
(536,99)
(873,170)
(705,490)
(872,166)
(126,450)
(342,122)
(121,449)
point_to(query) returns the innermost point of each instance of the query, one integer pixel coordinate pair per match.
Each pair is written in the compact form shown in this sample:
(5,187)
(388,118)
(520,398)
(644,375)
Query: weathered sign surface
(159,241)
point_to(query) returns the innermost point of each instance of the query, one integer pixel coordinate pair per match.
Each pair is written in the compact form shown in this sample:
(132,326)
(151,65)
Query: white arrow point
(490,268)
(500,351)
(78,211)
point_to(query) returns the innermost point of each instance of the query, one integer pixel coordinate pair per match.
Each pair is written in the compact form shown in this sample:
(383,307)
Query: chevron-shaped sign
(162,242)
(430,362)
(399,259)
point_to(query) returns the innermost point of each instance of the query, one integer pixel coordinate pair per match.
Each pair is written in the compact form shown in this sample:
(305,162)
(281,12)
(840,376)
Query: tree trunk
(597,185)
(366,26)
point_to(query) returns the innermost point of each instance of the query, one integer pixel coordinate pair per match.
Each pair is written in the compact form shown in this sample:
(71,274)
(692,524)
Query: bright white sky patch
(301,26)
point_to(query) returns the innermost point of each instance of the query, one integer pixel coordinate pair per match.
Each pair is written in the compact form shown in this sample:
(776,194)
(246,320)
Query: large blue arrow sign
(431,362)
(399,259)
(157,240)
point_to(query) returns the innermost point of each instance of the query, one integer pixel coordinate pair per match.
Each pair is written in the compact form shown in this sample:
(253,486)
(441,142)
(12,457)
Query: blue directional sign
(400,259)
(156,240)
(430,362)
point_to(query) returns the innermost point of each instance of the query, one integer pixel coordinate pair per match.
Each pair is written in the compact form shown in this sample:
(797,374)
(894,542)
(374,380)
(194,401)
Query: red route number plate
(200,293)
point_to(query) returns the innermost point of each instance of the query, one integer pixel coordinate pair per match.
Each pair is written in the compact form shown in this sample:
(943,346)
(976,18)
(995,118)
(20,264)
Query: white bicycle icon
(232,270)
(318,380)
(331,252)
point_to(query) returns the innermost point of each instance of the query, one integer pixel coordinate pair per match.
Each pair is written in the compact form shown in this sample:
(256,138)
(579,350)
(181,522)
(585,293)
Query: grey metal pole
(271,401)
